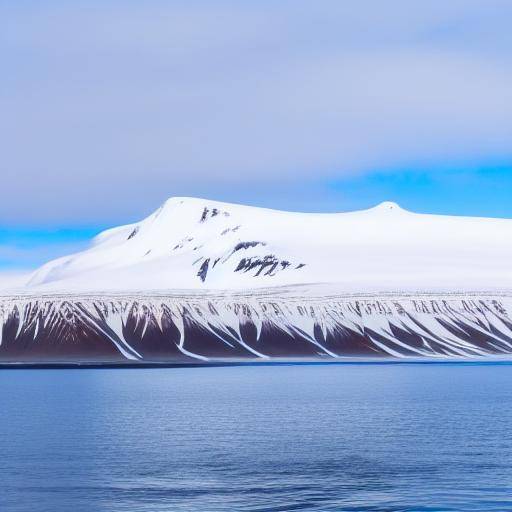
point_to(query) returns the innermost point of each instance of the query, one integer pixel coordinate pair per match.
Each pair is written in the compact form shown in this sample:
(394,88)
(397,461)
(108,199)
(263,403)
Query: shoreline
(222,364)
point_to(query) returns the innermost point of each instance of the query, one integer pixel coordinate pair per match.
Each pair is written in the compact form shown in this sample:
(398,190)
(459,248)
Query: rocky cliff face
(216,327)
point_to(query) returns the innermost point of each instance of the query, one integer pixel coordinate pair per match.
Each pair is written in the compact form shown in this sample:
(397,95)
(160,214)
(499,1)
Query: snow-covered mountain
(206,281)
(199,244)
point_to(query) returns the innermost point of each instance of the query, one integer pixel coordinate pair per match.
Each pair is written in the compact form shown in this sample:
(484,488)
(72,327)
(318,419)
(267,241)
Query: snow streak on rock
(222,327)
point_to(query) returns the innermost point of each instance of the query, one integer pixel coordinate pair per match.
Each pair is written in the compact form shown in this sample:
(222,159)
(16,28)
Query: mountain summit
(191,243)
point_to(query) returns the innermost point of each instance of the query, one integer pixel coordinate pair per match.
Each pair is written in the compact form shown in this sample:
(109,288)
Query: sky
(110,107)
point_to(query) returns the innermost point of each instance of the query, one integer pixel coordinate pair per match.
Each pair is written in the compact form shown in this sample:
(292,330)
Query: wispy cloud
(109,107)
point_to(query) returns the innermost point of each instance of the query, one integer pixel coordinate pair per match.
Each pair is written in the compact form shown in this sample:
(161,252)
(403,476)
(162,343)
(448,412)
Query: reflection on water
(354,438)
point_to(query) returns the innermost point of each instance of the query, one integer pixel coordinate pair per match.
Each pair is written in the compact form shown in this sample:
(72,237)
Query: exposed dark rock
(228,230)
(203,270)
(211,213)
(247,245)
(270,271)
(133,233)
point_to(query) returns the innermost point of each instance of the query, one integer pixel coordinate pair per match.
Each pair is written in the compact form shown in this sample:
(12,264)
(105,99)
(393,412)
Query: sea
(339,437)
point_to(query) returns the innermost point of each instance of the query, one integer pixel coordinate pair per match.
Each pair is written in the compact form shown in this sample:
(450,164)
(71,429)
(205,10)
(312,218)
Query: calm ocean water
(269,438)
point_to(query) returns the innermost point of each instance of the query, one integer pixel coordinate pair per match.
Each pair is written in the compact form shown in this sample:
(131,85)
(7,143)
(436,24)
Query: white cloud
(109,105)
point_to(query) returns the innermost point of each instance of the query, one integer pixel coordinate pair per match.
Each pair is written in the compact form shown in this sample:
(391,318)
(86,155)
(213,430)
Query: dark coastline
(220,364)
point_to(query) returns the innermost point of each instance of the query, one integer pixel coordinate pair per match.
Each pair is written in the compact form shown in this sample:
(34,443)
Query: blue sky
(110,107)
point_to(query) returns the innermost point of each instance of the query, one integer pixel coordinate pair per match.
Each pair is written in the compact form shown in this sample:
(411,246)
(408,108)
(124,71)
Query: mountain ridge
(193,243)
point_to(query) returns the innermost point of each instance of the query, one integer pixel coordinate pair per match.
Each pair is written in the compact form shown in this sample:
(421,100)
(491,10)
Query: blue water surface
(258,438)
